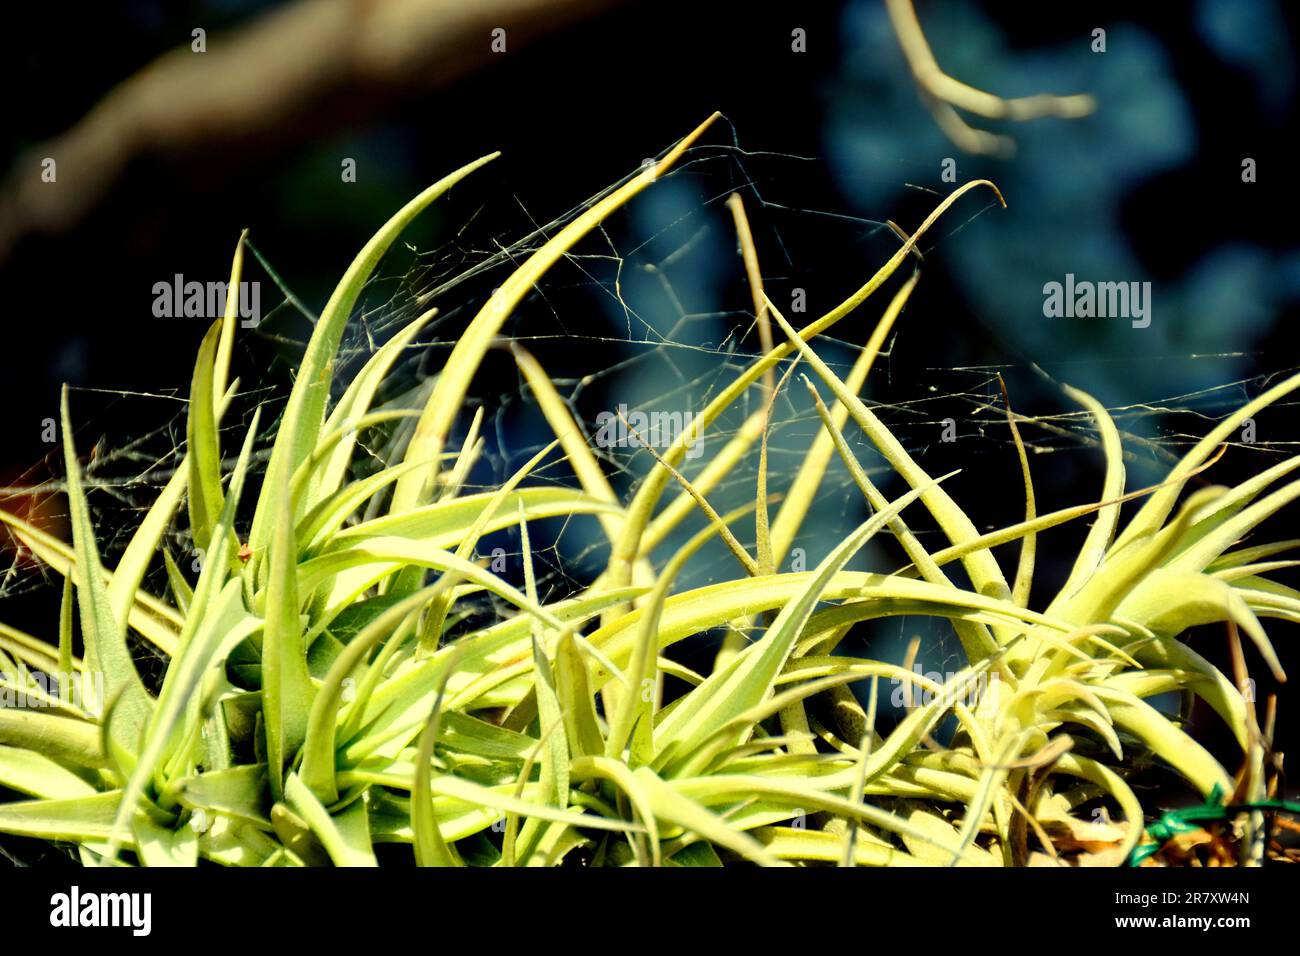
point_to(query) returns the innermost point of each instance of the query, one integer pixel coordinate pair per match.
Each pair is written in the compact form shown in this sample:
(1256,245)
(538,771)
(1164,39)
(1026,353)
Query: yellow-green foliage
(391,731)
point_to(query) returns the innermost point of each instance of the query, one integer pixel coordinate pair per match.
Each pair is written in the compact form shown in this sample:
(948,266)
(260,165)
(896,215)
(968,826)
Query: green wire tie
(1190,819)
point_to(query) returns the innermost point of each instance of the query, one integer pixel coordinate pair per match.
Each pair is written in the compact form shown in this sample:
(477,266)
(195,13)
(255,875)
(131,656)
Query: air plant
(322,696)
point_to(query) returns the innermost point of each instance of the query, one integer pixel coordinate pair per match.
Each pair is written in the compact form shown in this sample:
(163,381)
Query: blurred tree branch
(944,95)
(258,83)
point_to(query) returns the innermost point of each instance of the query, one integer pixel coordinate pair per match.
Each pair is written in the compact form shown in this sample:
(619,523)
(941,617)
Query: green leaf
(574,692)
(204,453)
(1102,531)
(28,771)
(550,714)
(32,650)
(209,636)
(77,820)
(152,618)
(65,629)
(1170,602)
(629,546)
(378,556)
(449,391)
(241,792)
(163,846)
(182,593)
(403,700)
(305,411)
(224,626)
(980,565)
(226,345)
(975,638)
(344,835)
(617,773)
(446,524)
(812,468)
(1153,514)
(286,684)
(558,415)
(804,794)
(430,848)
(818,846)
(65,739)
(105,640)
(355,403)
(319,525)
(1165,740)
(318,761)
(636,709)
(750,675)
(672,807)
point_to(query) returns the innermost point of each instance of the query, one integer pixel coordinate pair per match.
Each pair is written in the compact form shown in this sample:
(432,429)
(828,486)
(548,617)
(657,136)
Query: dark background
(824,144)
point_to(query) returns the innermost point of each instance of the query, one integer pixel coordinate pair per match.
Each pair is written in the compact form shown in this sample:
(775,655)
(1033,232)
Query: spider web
(650,312)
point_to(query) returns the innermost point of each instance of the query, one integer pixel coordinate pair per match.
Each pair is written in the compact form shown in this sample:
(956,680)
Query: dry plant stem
(754,274)
(1251,788)
(942,93)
